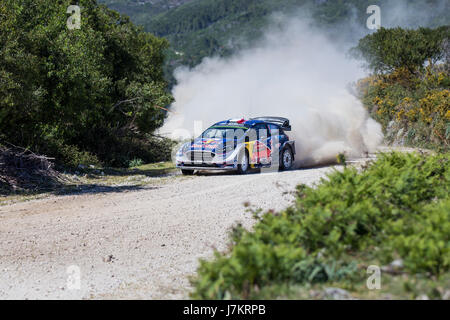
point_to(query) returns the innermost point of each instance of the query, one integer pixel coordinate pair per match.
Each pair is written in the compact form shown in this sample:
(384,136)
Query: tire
(243,163)
(187,172)
(287,159)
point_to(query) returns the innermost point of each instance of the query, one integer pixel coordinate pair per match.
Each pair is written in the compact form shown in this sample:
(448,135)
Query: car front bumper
(219,162)
(205,167)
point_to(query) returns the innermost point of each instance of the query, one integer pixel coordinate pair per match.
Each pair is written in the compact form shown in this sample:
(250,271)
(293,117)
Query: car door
(277,135)
(262,150)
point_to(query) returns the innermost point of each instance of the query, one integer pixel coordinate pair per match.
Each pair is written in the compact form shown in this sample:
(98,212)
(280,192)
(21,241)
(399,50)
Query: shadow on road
(258,171)
(95,188)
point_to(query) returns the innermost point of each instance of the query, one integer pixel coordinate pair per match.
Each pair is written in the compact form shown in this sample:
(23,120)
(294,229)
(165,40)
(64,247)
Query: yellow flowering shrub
(418,103)
(436,103)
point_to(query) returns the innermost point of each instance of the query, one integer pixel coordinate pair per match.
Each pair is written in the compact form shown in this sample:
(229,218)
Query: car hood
(212,145)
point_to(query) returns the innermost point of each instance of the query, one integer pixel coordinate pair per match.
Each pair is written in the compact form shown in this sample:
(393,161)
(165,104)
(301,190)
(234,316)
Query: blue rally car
(241,145)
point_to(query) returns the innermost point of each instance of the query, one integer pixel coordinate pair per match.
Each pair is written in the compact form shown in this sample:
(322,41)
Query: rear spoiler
(282,122)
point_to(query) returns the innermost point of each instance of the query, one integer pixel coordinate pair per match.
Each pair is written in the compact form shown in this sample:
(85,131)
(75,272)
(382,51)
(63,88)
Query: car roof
(246,123)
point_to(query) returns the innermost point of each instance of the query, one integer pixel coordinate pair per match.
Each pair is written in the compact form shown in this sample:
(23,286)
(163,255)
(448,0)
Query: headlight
(183,148)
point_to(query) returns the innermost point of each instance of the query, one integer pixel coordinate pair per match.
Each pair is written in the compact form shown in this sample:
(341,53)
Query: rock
(315,294)
(400,137)
(336,294)
(390,129)
(391,124)
(397,264)
(92,166)
(422,297)
(109,258)
(395,267)
(446,295)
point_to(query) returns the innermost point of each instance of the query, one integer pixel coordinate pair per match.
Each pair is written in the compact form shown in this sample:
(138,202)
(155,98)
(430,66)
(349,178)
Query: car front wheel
(287,159)
(243,163)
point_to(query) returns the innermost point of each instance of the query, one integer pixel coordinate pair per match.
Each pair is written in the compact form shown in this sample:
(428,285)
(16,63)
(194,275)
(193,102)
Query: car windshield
(224,132)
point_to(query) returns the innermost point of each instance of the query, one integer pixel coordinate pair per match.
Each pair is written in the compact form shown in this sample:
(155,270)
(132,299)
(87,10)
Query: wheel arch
(291,146)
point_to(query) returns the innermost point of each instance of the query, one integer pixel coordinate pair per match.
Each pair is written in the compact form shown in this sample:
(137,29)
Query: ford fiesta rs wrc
(240,145)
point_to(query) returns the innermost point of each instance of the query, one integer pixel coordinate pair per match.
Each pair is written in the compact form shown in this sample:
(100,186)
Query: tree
(87,87)
(390,49)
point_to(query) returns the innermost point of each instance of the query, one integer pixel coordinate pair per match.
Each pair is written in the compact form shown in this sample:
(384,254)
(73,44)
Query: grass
(121,175)
(393,287)
(98,179)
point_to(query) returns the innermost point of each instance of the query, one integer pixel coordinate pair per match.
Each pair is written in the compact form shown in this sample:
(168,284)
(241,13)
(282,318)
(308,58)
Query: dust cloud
(295,72)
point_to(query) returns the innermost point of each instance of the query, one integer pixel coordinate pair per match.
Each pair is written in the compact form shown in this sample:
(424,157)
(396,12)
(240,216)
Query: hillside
(141,10)
(201,28)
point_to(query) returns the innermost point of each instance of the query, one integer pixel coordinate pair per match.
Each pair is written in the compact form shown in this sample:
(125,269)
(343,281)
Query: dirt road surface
(135,244)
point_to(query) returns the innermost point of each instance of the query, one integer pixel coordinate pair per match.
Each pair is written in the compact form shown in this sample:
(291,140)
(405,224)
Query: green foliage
(389,49)
(341,159)
(135,163)
(397,207)
(423,239)
(84,88)
(409,99)
(201,28)
(69,155)
(142,10)
(418,105)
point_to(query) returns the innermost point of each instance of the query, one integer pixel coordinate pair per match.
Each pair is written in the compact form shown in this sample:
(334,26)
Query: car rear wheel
(243,163)
(187,172)
(287,159)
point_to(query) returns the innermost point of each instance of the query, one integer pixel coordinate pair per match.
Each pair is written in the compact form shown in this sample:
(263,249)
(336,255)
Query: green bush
(388,50)
(416,104)
(96,88)
(409,98)
(67,156)
(397,207)
(135,163)
(423,239)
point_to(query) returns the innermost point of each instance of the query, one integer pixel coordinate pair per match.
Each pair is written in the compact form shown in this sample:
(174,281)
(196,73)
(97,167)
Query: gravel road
(135,244)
